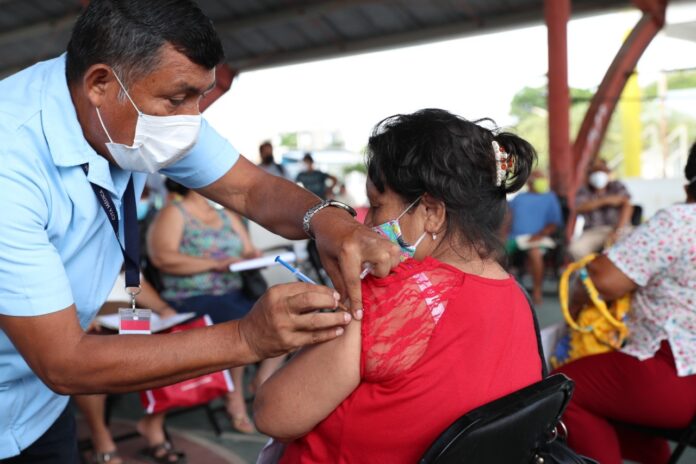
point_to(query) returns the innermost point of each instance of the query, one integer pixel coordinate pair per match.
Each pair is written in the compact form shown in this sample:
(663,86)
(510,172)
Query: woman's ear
(435,214)
(96,83)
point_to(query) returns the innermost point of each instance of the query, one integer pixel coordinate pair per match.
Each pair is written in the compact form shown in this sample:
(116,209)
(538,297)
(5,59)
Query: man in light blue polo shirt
(124,99)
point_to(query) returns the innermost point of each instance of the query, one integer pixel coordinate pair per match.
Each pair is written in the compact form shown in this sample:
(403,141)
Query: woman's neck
(468,260)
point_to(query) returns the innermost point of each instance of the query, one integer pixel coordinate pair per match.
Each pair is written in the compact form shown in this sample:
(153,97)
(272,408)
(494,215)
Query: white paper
(523,242)
(264,261)
(157,324)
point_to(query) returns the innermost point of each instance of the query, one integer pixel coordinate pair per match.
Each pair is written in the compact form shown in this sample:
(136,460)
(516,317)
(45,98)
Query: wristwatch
(307,219)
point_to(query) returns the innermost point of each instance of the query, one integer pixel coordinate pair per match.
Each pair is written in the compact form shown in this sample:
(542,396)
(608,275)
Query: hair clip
(503,163)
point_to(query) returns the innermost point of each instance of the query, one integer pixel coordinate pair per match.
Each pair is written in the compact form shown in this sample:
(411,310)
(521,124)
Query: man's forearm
(548,230)
(625,216)
(280,207)
(124,363)
(590,205)
(273,202)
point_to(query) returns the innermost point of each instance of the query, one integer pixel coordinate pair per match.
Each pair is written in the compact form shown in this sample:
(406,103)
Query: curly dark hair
(452,159)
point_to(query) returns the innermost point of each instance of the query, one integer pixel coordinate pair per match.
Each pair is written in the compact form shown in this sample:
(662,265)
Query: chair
(682,437)
(507,430)
(637,215)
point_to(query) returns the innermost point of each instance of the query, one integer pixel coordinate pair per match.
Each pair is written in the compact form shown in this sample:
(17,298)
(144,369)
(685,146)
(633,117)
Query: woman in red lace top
(447,331)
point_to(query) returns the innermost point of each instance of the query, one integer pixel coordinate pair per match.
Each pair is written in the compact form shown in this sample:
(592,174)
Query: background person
(606,206)
(536,214)
(192,244)
(122,102)
(93,407)
(443,204)
(651,381)
(268,163)
(315,180)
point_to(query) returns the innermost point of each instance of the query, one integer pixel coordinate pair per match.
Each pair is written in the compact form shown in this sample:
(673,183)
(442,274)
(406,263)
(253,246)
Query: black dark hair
(433,151)
(690,172)
(175,187)
(128,35)
(308,157)
(265,143)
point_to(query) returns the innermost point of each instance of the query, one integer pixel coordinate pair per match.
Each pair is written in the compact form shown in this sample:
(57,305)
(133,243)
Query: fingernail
(339,331)
(336,296)
(346,317)
(359,314)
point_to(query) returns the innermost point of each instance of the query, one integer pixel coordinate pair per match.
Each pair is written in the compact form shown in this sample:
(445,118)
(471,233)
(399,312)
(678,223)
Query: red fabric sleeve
(401,313)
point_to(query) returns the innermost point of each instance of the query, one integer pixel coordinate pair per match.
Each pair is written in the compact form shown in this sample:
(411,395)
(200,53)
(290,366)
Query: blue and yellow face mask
(392,231)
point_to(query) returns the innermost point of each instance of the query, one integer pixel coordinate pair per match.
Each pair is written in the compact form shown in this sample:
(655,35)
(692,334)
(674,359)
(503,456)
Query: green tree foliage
(676,80)
(289,139)
(530,108)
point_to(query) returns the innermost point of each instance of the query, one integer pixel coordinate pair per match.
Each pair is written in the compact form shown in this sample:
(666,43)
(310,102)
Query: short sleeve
(33,280)
(401,313)
(618,188)
(649,249)
(211,157)
(554,214)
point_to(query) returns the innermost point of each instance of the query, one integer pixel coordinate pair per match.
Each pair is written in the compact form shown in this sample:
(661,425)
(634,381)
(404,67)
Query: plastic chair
(682,437)
(510,429)
(507,430)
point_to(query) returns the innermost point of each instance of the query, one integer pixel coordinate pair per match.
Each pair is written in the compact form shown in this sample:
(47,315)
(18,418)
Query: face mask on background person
(541,185)
(159,140)
(599,179)
(392,231)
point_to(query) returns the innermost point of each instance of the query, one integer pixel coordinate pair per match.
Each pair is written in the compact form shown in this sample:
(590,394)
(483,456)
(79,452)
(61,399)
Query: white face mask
(159,140)
(599,179)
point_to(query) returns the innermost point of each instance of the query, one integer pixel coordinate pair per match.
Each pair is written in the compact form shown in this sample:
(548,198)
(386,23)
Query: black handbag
(253,284)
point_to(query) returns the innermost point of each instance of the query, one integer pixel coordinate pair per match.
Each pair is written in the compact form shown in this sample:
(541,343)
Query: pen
(303,277)
(295,271)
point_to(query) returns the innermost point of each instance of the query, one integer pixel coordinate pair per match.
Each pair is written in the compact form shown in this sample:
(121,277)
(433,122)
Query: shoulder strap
(540,346)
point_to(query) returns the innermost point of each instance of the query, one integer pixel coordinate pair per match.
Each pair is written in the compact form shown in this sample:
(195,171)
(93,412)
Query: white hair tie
(503,162)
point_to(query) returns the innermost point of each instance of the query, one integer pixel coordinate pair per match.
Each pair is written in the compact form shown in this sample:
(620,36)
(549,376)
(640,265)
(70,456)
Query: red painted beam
(557,13)
(596,121)
(224,75)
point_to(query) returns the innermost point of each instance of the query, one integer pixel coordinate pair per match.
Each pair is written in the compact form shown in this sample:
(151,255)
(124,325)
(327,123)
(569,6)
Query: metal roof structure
(262,33)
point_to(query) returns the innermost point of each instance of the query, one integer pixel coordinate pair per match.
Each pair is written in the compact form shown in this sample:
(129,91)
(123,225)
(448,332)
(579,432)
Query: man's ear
(435,214)
(97,82)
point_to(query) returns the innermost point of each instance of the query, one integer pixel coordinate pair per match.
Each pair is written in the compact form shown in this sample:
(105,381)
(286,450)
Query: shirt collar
(64,135)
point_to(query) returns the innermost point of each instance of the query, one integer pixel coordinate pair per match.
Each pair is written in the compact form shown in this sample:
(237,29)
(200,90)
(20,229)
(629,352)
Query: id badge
(134,321)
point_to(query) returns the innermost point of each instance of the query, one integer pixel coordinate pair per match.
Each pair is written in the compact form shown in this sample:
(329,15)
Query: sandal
(105,458)
(163,453)
(242,424)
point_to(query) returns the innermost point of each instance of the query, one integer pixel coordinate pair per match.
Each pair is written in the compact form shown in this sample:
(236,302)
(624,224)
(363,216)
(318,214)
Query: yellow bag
(598,329)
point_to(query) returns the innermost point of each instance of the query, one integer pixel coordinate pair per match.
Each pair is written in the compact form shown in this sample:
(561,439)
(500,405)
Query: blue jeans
(57,445)
(221,308)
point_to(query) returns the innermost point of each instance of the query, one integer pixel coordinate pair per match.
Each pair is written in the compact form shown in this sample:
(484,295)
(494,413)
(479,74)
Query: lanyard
(131,239)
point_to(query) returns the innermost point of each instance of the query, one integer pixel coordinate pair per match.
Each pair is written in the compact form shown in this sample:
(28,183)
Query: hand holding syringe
(304,278)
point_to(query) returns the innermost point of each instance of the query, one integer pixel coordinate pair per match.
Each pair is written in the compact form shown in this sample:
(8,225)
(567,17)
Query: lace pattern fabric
(401,314)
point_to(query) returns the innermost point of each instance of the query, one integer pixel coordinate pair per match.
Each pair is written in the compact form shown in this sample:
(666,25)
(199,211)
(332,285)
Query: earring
(434,237)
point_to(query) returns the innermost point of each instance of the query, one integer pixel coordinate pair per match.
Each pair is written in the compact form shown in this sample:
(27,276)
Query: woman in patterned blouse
(651,380)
